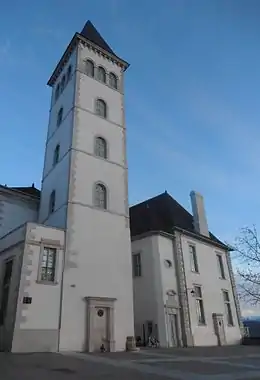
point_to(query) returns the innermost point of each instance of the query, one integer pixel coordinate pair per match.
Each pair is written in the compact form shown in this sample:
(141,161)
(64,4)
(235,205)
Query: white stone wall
(37,324)
(145,303)
(98,257)
(16,210)
(212,285)
(57,178)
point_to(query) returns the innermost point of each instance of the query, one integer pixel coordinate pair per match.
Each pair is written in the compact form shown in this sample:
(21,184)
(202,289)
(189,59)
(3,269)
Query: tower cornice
(78,38)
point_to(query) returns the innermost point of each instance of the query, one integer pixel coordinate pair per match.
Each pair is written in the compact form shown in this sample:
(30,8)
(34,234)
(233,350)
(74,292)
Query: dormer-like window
(60,117)
(69,72)
(113,80)
(101,74)
(101,108)
(63,81)
(57,91)
(90,68)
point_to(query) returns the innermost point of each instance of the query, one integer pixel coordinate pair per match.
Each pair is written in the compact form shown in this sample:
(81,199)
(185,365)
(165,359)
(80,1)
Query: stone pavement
(215,363)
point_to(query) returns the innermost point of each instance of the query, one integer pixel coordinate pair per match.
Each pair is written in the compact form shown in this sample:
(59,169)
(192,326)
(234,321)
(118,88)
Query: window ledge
(222,278)
(228,325)
(194,271)
(52,283)
(202,324)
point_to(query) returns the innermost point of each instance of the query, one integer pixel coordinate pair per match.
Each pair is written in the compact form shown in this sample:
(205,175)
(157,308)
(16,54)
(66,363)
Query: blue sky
(192,95)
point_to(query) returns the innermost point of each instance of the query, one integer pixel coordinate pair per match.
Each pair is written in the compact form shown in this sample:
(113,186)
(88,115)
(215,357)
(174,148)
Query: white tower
(84,191)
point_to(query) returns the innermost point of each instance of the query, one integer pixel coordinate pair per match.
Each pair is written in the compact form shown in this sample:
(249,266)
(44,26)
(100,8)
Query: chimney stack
(199,216)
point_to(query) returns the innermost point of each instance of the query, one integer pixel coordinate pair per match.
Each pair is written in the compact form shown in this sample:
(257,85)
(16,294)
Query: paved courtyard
(228,363)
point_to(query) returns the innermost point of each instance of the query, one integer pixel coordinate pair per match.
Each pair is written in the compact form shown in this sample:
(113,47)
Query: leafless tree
(247,255)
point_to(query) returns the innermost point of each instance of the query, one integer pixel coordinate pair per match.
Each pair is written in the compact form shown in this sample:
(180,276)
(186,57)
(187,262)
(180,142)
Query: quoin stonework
(78,271)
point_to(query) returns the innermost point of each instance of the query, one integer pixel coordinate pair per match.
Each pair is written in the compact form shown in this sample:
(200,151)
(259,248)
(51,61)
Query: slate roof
(30,190)
(162,213)
(90,33)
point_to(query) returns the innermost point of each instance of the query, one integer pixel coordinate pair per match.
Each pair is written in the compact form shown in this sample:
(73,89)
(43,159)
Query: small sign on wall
(27,300)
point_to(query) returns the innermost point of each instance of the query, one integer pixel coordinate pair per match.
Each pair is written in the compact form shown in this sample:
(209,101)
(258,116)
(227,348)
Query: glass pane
(197,290)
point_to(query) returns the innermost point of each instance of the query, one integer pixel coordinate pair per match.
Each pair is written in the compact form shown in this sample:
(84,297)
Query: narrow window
(100,147)
(101,74)
(56,155)
(112,80)
(193,258)
(69,72)
(101,108)
(137,268)
(5,290)
(63,81)
(52,202)
(90,68)
(228,310)
(100,197)
(199,305)
(48,264)
(57,91)
(59,117)
(221,266)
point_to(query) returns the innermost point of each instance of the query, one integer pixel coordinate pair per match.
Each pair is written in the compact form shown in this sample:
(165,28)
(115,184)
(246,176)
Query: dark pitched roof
(90,33)
(162,213)
(30,190)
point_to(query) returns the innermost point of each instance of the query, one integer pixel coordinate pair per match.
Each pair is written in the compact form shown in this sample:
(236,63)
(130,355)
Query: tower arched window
(57,91)
(63,81)
(69,72)
(90,68)
(52,202)
(113,80)
(101,108)
(56,155)
(59,117)
(100,196)
(101,74)
(100,147)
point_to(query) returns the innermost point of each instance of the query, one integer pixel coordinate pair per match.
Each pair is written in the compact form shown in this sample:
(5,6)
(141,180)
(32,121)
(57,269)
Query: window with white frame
(69,72)
(137,266)
(90,68)
(228,309)
(221,266)
(59,117)
(113,80)
(56,155)
(52,202)
(199,305)
(100,147)
(100,196)
(193,258)
(48,264)
(101,108)
(63,82)
(101,74)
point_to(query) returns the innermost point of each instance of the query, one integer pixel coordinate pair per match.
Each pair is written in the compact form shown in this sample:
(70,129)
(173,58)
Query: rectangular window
(199,305)
(221,266)
(48,264)
(193,258)
(228,310)
(137,270)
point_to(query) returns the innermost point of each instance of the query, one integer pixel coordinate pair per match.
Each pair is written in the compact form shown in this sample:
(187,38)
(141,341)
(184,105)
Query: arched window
(69,72)
(113,80)
(57,92)
(90,68)
(63,81)
(52,202)
(101,74)
(59,117)
(100,196)
(101,108)
(100,147)
(56,155)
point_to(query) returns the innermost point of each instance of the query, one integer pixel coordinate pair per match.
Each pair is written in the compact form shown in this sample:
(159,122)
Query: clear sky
(192,95)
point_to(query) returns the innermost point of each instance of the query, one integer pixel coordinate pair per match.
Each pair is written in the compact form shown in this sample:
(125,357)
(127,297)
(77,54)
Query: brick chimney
(199,215)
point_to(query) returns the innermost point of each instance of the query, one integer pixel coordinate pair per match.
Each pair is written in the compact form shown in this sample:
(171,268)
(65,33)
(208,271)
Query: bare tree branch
(247,254)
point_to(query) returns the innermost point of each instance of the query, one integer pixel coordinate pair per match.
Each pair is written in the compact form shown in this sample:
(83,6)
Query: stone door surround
(92,304)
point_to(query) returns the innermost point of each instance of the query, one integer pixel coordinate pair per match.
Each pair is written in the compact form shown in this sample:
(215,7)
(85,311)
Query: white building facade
(184,290)
(67,281)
